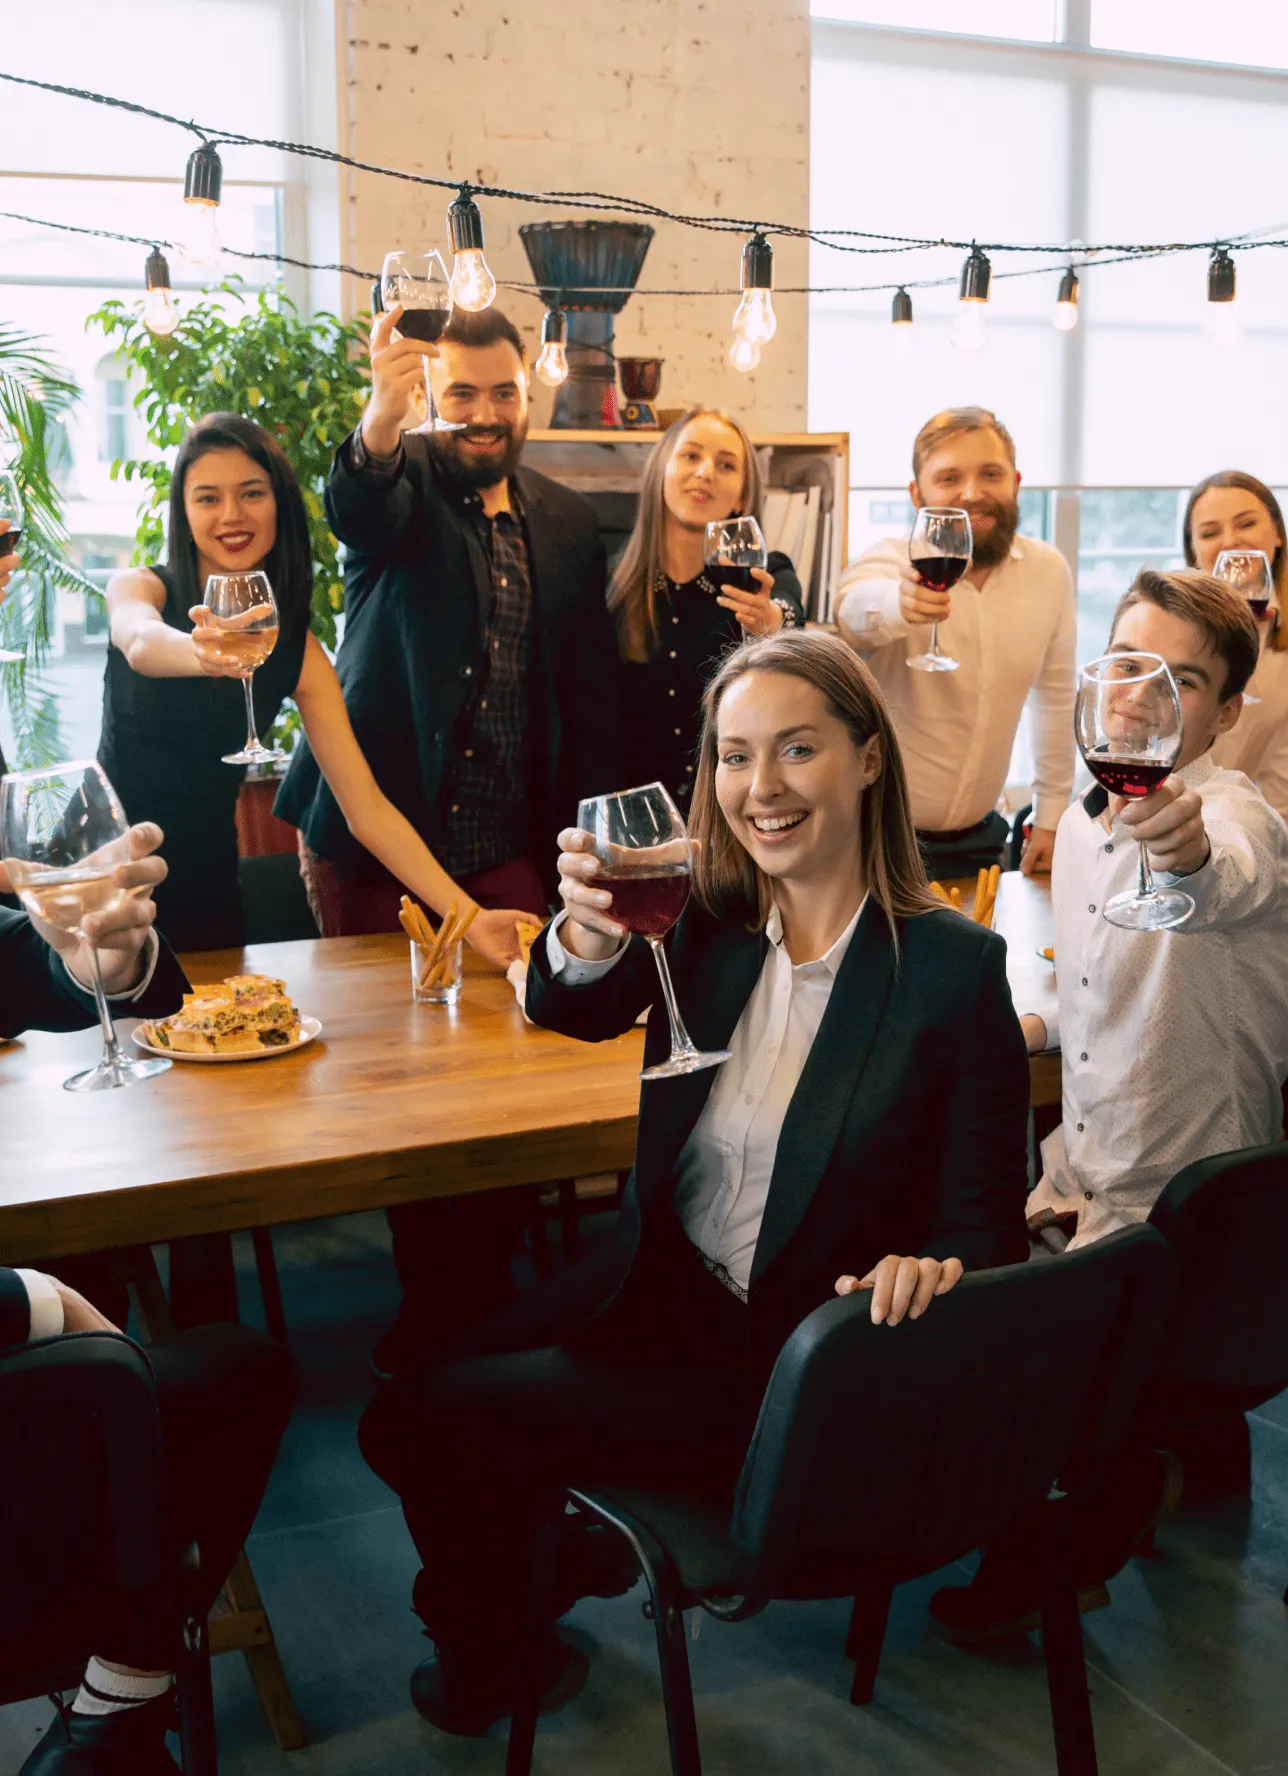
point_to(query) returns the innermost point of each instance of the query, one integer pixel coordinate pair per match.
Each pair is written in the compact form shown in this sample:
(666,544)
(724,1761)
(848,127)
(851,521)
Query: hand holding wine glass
(734,559)
(940,552)
(1248,572)
(69,852)
(645,870)
(242,624)
(1128,724)
(417,295)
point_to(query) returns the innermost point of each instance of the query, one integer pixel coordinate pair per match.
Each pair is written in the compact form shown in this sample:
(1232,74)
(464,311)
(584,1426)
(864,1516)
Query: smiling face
(974,470)
(1230,518)
(231,511)
(790,780)
(1199,671)
(484,389)
(706,476)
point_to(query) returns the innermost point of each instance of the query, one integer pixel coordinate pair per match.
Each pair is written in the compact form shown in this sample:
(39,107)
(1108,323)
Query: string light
(743,354)
(1222,314)
(1065,318)
(754,318)
(203,185)
(901,321)
(970,329)
(552,361)
(160,316)
(473,286)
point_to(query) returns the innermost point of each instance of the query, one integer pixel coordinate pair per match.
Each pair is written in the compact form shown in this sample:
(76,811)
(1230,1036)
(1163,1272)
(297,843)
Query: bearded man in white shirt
(1175,1043)
(1009,623)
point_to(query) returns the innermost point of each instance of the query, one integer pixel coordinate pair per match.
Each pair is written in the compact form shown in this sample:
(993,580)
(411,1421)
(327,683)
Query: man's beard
(996,545)
(486,472)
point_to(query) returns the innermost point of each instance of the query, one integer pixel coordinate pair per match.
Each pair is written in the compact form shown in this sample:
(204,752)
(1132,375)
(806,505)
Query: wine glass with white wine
(63,831)
(244,611)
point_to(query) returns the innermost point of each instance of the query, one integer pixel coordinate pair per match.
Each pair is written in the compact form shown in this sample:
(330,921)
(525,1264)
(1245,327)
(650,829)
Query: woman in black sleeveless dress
(171,709)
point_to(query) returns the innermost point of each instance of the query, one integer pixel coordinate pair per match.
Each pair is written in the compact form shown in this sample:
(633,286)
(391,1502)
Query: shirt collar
(833,958)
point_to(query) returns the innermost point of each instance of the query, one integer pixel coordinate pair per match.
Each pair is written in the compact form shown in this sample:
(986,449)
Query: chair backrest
(901,1448)
(1226,1220)
(81,1500)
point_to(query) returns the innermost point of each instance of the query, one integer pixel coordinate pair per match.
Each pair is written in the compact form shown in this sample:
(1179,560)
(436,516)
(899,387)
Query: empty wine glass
(420,282)
(733,547)
(940,552)
(62,832)
(245,613)
(1248,572)
(10,540)
(1127,720)
(646,864)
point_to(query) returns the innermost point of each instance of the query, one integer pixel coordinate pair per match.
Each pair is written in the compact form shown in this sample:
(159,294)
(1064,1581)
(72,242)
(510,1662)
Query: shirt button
(467,672)
(483,705)
(1108,847)
(673,653)
(456,807)
(670,693)
(748,1099)
(1084,978)
(1080,1128)
(1083,1055)
(1091,909)
(504,582)
(1090,1195)
(469,753)
(677,730)
(675,619)
(688,770)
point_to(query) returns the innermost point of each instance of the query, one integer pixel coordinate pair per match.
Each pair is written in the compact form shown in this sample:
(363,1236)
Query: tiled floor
(1189,1668)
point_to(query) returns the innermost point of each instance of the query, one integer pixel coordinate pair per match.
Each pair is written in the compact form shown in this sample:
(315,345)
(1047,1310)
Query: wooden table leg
(238,1622)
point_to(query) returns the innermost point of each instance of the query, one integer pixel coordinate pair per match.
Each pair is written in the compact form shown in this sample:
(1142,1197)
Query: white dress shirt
(1258,743)
(1015,637)
(724,1169)
(1174,1043)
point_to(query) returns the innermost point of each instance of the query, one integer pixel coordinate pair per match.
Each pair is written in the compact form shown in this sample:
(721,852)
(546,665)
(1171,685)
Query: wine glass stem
(681,1041)
(429,396)
(934,639)
(252,733)
(1145,885)
(112,1055)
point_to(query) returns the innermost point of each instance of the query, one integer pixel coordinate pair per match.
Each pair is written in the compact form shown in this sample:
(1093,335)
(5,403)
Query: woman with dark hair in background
(673,624)
(1233,510)
(235,505)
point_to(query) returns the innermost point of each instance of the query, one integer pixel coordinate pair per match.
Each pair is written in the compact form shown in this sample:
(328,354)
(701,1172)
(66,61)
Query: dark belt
(963,832)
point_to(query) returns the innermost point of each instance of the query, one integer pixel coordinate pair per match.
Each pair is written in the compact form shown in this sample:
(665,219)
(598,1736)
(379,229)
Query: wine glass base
(109,1075)
(440,425)
(1159,911)
(687,1061)
(259,755)
(933,663)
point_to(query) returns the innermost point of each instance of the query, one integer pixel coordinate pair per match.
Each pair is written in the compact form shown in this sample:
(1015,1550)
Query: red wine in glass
(739,579)
(647,902)
(9,540)
(1125,775)
(1259,607)
(425,324)
(940,572)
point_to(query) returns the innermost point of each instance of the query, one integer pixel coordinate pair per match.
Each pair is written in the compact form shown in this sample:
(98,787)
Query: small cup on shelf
(441,984)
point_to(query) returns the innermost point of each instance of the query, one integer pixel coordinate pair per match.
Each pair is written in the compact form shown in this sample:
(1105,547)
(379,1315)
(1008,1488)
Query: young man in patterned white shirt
(1174,1043)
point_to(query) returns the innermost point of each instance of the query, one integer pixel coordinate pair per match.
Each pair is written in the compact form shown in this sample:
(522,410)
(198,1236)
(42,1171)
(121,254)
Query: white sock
(104,1691)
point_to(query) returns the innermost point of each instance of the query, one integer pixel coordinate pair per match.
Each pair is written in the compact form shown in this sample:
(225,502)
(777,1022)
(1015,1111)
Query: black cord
(831,238)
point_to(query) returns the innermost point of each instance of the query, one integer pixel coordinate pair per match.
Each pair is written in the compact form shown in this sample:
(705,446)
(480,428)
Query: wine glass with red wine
(1248,572)
(733,547)
(646,864)
(1129,729)
(63,831)
(11,539)
(940,551)
(420,282)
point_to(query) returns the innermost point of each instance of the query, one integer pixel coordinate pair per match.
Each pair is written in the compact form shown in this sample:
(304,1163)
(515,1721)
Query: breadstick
(981,894)
(442,967)
(938,892)
(955,899)
(994,876)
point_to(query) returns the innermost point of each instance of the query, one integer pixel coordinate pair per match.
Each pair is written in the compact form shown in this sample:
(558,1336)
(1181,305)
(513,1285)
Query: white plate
(309,1028)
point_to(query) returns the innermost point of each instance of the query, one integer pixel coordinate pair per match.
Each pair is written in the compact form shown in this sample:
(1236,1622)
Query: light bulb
(1223,326)
(200,243)
(754,318)
(473,286)
(552,363)
(904,342)
(970,329)
(1065,318)
(744,354)
(160,315)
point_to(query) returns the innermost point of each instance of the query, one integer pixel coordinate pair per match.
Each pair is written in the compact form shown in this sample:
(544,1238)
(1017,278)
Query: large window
(230,64)
(1093,120)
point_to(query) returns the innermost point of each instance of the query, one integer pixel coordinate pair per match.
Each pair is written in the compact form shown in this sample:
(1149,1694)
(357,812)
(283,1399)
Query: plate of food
(248,1017)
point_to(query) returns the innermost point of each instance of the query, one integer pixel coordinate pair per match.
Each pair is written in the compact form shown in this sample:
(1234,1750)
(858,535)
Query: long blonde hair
(726,880)
(632,594)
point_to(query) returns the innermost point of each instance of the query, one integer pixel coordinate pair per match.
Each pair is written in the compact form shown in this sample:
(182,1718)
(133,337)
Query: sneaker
(466,1697)
(128,1743)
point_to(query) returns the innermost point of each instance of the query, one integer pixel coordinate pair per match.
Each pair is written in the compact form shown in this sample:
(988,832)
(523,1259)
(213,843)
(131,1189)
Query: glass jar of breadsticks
(435,955)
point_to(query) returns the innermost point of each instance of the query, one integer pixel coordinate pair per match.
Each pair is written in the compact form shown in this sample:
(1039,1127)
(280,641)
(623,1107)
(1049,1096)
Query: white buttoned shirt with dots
(1174,1044)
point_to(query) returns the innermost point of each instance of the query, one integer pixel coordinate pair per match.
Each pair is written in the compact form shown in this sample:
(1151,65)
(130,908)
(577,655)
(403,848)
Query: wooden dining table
(393,1101)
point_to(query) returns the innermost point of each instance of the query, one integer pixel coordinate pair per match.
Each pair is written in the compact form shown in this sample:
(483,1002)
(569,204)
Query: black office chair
(881,1454)
(1225,1349)
(82,1513)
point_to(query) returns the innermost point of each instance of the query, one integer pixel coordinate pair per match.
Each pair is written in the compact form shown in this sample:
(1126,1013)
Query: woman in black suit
(868,1132)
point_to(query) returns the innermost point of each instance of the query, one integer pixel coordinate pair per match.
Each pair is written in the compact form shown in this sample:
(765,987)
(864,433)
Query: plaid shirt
(485,797)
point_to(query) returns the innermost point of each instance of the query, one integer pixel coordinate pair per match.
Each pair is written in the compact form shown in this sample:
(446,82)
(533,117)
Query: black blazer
(907,1132)
(417,589)
(35,993)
